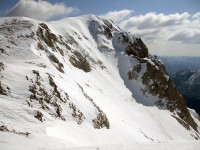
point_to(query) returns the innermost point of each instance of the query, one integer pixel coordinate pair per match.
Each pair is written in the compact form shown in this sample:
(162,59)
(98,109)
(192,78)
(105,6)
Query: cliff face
(157,82)
(83,72)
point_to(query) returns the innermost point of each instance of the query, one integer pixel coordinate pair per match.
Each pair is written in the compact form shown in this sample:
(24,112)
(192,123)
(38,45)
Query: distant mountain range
(185,73)
(177,63)
(188,83)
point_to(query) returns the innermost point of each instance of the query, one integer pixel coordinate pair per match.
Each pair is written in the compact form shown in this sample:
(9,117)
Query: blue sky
(167,27)
(139,6)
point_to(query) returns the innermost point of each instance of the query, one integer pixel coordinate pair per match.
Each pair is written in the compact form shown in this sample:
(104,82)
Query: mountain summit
(86,82)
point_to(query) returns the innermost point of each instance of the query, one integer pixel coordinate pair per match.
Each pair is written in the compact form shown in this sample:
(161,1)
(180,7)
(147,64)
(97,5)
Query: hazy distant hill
(188,83)
(185,72)
(174,64)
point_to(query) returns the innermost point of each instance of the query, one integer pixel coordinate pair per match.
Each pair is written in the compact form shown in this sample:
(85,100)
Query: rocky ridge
(43,66)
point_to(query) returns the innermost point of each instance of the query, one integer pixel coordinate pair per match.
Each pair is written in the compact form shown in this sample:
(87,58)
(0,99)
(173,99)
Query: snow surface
(17,142)
(135,123)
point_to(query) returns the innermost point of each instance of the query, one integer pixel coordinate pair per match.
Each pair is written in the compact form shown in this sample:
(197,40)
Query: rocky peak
(131,44)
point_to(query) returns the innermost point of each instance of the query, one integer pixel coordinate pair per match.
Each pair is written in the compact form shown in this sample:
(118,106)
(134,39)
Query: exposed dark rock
(2,50)
(137,48)
(158,83)
(108,31)
(101,121)
(59,66)
(60,51)
(56,92)
(133,74)
(58,111)
(102,66)
(79,61)
(2,67)
(44,34)
(39,116)
(46,99)
(90,99)
(2,90)
(24,37)
(3,128)
(40,46)
(76,113)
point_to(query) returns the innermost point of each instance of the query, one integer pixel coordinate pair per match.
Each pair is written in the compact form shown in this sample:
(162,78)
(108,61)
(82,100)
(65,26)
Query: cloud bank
(172,34)
(117,16)
(41,10)
(153,20)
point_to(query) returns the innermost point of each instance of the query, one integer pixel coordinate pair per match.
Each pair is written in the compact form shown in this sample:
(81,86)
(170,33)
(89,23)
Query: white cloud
(191,36)
(41,10)
(153,20)
(164,33)
(196,15)
(117,16)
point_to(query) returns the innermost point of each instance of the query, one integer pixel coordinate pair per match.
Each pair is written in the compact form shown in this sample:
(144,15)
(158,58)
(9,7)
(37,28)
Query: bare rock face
(155,78)
(158,83)
(101,121)
(136,48)
(79,61)
(44,34)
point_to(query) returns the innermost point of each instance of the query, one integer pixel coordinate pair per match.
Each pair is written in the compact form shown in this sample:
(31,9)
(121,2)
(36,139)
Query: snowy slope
(83,82)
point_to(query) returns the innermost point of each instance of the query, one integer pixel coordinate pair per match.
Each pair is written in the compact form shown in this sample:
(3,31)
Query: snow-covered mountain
(83,81)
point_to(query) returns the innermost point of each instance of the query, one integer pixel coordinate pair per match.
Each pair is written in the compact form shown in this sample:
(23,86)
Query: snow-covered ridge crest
(84,74)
